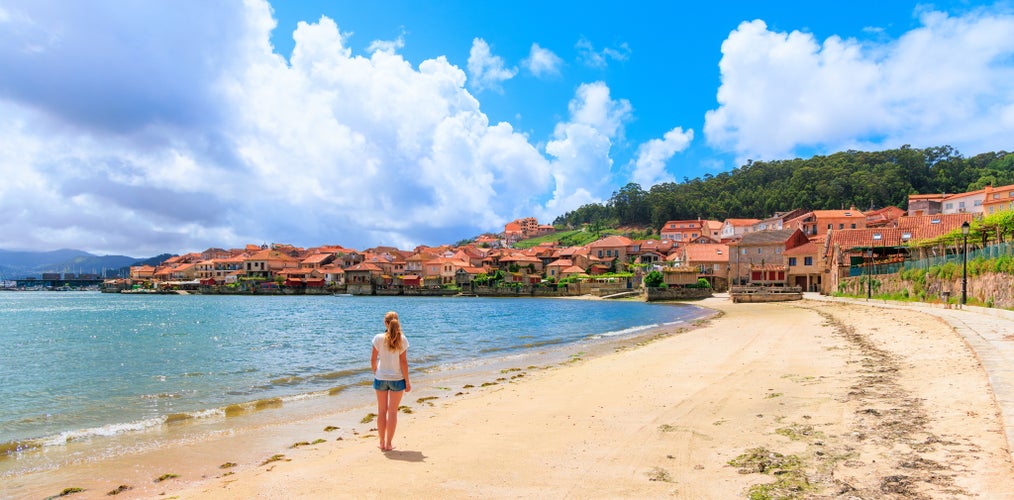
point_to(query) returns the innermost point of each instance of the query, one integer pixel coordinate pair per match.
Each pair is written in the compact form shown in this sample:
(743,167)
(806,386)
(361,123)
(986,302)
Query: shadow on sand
(405,456)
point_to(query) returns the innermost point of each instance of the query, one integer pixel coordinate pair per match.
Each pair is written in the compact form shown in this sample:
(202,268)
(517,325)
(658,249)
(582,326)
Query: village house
(652,252)
(711,260)
(778,220)
(142,273)
(611,249)
(925,204)
(998,199)
(819,222)
(757,257)
(266,263)
(884,217)
(363,273)
(333,275)
(554,270)
(804,266)
(734,229)
(317,260)
(681,231)
(964,202)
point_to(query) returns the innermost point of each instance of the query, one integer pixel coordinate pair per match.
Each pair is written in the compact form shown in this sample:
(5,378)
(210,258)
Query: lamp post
(869,276)
(876,238)
(964,262)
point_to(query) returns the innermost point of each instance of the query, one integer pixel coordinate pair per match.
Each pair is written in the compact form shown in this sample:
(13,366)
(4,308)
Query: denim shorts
(389,385)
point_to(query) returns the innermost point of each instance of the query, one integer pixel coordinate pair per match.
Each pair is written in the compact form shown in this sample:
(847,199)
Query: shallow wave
(625,331)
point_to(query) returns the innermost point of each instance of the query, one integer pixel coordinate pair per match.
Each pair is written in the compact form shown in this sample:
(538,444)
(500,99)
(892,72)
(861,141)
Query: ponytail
(392,338)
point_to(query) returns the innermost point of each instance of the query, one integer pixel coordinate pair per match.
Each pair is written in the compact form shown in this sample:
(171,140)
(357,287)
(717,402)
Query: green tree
(654,279)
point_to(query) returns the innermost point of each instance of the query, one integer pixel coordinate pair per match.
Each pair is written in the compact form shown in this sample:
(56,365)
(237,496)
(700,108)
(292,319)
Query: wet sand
(825,399)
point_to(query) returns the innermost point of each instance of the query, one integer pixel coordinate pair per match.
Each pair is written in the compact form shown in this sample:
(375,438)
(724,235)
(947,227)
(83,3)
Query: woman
(390,377)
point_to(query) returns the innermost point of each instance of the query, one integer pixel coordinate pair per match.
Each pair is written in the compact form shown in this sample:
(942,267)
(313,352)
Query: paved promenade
(990,334)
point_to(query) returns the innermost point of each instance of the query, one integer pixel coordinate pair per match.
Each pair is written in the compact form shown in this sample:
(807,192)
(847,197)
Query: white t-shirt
(388,361)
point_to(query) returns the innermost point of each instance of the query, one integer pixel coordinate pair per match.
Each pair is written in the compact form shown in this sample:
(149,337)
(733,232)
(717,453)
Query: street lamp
(964,263)
(876,237)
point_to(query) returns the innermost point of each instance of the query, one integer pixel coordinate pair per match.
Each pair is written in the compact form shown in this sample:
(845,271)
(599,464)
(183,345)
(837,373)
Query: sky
(139,127)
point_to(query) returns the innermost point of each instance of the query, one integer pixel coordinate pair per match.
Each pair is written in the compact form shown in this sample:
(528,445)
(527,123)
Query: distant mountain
(18,265)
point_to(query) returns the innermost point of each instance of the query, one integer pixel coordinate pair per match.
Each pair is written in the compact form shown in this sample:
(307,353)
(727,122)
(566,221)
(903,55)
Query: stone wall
(993,290)
(676,293)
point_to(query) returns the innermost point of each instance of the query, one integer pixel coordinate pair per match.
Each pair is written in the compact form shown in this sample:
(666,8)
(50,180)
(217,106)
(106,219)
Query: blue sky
(146,127)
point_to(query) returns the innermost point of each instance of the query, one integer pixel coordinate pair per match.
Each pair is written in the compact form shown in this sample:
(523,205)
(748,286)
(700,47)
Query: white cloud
(328,147)
(600,59)
(649,167)
(387,45)
(485,70)
(542,62)
(581,147)
(950,81)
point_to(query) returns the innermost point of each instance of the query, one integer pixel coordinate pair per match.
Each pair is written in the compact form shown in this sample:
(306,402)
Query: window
(948,206)
(742,251)
(977,203)
(841,226)
(792,261)
(758,251)
(961,204)
(807,261)
(996,196)
(828,227)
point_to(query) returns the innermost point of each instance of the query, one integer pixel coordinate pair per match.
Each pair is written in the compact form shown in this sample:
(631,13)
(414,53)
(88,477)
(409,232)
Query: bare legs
(387,417)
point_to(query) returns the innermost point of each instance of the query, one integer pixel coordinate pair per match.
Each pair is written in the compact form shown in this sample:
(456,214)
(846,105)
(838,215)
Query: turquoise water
(77,364)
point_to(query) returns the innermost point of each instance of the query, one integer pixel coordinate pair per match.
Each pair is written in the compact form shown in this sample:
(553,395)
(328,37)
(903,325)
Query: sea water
(76,366)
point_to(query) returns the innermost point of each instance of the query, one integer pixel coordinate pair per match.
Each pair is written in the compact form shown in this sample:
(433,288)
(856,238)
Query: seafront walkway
(990,334)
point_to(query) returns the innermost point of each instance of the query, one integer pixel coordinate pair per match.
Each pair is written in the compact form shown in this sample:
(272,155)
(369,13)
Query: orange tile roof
(741,222)
(809,248)
(707,252)
(612,241)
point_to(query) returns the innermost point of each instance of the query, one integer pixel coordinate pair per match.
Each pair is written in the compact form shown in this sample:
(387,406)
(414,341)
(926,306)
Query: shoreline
(194,442)
(850,391)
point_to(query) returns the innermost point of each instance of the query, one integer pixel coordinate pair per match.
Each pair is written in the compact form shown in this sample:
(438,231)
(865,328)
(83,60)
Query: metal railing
(993,251)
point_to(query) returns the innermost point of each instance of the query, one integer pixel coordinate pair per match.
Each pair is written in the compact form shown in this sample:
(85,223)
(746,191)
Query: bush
(654,279)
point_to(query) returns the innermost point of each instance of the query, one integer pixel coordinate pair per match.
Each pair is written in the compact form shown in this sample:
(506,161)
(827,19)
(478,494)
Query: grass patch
(405,409)
(774,395)
(166,477)
(275,458)
(368,418)
(331,428)
(798,432)
(659,474)
(790,483)
(66,491)
(227,465)
(119,489)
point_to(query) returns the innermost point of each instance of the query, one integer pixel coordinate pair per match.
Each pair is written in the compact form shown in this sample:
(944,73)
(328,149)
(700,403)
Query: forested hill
(761,188)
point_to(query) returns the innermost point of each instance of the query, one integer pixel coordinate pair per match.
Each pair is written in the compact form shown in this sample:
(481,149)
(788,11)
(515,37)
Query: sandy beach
(819,399)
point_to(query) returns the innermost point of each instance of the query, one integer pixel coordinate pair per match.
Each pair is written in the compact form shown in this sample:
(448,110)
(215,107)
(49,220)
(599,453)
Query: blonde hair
(392,338)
